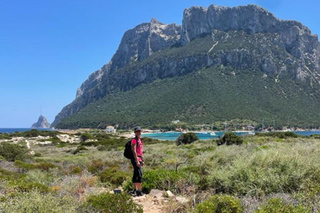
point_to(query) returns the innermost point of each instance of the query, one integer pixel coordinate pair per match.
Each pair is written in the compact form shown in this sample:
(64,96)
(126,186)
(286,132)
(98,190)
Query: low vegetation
(256,174)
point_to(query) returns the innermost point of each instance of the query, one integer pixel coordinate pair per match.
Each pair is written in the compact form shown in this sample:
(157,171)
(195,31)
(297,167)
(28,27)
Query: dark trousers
(137,172)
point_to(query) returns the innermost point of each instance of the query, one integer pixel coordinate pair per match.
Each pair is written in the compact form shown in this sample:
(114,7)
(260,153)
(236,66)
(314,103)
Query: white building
(110,129)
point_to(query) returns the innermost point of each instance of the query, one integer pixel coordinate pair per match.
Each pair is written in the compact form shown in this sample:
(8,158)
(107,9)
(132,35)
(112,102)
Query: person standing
(137,161)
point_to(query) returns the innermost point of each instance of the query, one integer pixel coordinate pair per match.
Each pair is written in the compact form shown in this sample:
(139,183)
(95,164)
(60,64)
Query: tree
(186,138)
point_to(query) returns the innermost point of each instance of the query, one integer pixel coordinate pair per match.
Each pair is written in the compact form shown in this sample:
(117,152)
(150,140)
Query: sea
(13,130)
(175,135)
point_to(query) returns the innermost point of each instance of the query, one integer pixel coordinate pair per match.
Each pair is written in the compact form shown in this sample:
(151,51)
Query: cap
(137,128)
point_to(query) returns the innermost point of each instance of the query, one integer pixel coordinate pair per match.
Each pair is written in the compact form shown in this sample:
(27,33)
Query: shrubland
(263,173)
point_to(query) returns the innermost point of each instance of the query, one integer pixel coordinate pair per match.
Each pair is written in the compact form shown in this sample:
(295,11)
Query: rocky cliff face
(296,38)
(41,123)
(244,37)
(136,45)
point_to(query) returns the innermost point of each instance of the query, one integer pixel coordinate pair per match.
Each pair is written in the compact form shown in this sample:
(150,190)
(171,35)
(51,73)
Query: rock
(182,200)
(41,123)
(155,193)
(170,194)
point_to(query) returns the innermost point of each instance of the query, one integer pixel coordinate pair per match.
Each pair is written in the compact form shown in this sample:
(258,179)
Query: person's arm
(134,151)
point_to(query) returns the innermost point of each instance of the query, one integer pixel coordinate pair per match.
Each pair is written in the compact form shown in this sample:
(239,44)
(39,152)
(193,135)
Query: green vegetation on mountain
(200,97)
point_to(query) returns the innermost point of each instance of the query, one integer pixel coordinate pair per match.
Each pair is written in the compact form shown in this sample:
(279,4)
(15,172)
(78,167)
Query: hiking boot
(139,193)
(133,192)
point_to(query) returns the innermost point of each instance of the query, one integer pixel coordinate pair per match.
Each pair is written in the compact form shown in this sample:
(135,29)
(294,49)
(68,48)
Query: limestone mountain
(240,62)
(41,123)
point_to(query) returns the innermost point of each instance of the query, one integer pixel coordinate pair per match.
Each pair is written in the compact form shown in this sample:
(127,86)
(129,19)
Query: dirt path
(153,202)
(158,201)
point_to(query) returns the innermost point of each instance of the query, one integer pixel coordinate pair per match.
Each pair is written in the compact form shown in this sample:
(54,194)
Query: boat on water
(213,134)
(251,133)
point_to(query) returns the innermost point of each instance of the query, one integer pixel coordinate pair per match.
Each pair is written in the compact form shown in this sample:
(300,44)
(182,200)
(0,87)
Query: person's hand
(142,163)
(138,164)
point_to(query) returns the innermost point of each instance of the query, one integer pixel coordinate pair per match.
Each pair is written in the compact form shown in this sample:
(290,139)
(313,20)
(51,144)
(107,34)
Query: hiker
(137,161)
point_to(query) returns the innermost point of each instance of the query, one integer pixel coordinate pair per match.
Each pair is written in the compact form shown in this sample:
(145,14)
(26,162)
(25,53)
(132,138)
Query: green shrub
(75,170)
(55,139)
(31,133)
(36,201)
(95,166)
(8,175)
(276,205)
(12,152)
(45,166)
(5,136)
(23,165)
(85,136)
(37,154)
(109,203)
(29,186)
(230,138)
(186,138)
(219,204)
(79,148)
(159,179)
(113,176)
(101,148)
(279,134)
(315,136)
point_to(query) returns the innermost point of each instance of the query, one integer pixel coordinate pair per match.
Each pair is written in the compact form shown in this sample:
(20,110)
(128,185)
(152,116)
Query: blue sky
(48,48)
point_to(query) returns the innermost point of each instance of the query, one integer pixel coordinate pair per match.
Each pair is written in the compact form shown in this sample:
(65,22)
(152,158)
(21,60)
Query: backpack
(127,150)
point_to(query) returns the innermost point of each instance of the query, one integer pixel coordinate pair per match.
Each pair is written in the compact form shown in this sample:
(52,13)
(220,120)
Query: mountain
(41,123)
(222,63)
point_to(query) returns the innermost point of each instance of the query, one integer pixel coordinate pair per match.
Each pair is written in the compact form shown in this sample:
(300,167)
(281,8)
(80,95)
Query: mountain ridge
(129,66)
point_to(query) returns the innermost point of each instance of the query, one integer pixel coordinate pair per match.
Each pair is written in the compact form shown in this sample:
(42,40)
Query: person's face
(138,133)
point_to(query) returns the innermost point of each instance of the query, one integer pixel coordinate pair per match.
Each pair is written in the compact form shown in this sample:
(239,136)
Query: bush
(85,136)
(159,179)
(229,138)
(37,154)
(95,166)
(27,187)
(31,133)
(101,148)
(79,148)
(12,152)
(36,201)
(186,138)
(45,166)
(220,203)
(279,134)
(23,165)
(106,202)
(75,170)
(113,176)
(315,136)
(276,205)
(5,136)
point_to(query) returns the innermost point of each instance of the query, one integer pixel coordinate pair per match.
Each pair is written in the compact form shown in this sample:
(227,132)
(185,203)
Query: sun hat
(137,128)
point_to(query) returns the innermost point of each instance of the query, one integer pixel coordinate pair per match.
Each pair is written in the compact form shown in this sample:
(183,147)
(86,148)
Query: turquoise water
(307,133)
(174,135)
(12,130)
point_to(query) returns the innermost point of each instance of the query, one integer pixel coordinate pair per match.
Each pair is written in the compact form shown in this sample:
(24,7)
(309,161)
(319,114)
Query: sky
(49,48)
